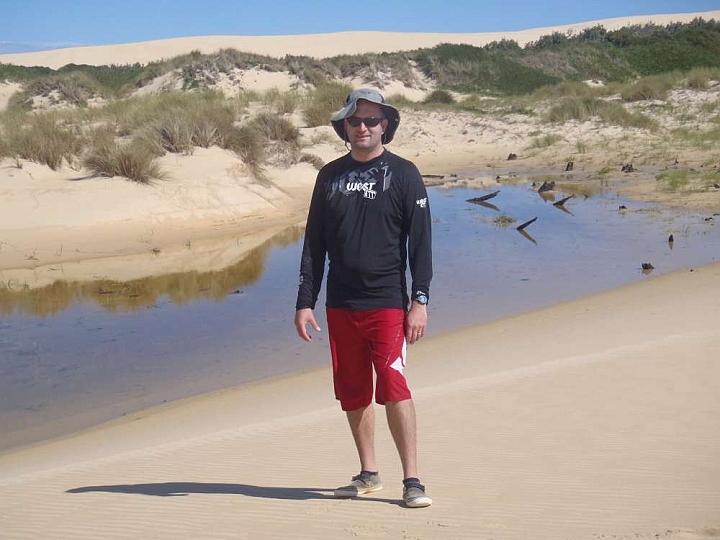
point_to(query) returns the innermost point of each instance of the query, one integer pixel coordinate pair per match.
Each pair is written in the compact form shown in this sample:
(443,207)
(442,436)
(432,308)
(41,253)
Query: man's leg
(362,425)
(401,419)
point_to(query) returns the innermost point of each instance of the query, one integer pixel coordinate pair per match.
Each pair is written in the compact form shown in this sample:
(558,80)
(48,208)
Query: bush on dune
(132,161)
(43,139)
(325,101)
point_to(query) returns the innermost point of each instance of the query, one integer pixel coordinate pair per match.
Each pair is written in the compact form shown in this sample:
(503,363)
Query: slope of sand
(596,418)
(314,45)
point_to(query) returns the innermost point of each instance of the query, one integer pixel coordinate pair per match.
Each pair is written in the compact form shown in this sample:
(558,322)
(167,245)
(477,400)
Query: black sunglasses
(370,122)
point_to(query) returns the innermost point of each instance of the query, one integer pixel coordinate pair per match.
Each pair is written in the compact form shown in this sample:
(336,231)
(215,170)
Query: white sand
(596,418)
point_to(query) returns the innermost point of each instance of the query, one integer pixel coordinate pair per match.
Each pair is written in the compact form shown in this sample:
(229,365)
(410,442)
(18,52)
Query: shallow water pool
(76,354)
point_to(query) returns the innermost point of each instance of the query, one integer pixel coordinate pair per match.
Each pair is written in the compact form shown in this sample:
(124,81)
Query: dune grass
(42,138)
(545,141)
(673,180)
(124,137)
(610,112)
(324,101)
(132,161)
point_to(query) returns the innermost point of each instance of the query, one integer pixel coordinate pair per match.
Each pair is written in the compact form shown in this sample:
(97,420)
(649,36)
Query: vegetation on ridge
(498,68)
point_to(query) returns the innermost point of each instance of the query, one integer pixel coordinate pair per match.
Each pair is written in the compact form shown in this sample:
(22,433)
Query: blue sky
(40,24)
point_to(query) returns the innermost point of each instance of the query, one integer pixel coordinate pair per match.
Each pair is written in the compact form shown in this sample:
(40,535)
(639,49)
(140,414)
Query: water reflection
(128,296)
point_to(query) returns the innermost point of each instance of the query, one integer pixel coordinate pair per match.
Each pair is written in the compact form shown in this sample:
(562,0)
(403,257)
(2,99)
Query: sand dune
(314,45)
(602,422)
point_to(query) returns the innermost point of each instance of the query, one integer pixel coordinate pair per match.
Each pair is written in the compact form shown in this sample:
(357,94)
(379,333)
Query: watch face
(421,299)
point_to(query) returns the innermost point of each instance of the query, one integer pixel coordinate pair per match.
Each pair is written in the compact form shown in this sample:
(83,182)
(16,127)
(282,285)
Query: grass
(133,161)
(609,112)
(439,97)
(652,87)
(123,137)
(673,180)
(41,138)
(276,128)
(503,220)
(324,101)
(703,140)
(545,141)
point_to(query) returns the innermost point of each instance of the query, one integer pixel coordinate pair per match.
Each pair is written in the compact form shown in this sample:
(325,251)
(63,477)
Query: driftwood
(563,200)
(521,227)
(491,206)
(484,197)
(546,186)
(526,235)
(438,176)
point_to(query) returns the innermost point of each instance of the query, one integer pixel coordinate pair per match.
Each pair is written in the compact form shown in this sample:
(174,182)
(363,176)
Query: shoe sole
(420,502)
(339,494)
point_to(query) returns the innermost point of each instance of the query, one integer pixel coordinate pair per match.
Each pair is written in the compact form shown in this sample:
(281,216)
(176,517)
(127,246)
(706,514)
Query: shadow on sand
(183,489)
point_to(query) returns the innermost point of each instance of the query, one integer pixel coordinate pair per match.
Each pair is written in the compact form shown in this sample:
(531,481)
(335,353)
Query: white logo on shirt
(365,187)
(422,203)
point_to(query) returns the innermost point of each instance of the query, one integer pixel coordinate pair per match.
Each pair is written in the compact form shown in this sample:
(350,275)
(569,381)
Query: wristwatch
(421,298)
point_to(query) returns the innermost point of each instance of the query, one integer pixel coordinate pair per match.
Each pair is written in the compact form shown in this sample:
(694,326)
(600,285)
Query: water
(76,354)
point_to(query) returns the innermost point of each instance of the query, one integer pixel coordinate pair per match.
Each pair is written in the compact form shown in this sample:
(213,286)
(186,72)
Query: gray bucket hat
(373,96)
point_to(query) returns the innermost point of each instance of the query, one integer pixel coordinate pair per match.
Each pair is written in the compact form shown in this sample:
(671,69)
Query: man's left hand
(415,322)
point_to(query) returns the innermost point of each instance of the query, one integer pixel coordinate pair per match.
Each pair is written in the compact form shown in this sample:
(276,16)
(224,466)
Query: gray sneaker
(361,484)
(414,495)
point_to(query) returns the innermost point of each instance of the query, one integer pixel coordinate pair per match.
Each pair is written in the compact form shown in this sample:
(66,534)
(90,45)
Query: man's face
(364,139)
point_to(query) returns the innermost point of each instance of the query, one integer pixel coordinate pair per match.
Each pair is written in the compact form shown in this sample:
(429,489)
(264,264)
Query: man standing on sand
(370,214)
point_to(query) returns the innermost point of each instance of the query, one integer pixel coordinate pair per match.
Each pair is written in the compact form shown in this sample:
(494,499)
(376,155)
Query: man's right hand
(302,318)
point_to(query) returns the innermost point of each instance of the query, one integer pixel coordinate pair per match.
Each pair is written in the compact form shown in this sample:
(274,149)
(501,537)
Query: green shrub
(75,88)
(325,101)
(400,101)
(275,128)
(133,161)
(314,160)
(248,143)
(652,87)
(545,140)
(42,139)
(287,102)
(610,112)
(439,96)
(673,180)
(175,133)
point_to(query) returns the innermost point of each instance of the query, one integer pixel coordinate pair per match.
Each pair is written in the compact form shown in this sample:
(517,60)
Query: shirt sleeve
(312,262)
(418,225)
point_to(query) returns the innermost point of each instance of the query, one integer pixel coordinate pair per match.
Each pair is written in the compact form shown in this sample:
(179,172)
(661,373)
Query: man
(369,213)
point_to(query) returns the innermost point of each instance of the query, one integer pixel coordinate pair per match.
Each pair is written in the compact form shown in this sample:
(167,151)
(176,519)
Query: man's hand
(303,317)
(415,322)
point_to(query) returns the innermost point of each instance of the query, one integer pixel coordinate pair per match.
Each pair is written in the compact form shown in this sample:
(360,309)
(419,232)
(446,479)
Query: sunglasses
(370,122)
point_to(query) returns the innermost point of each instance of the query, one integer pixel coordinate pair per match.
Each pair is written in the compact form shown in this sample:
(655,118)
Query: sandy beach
(588,419)
(596,418)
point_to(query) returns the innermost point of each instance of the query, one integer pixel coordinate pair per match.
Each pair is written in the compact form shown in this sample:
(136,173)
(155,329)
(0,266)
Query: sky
(43,24)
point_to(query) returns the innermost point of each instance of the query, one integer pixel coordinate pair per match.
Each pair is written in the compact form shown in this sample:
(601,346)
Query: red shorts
(359,341)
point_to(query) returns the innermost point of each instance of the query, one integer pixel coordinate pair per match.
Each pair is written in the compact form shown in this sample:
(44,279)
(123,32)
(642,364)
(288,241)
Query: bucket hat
(373,96)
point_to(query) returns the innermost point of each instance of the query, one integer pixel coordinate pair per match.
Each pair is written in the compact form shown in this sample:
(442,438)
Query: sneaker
(365,482)
(414,495)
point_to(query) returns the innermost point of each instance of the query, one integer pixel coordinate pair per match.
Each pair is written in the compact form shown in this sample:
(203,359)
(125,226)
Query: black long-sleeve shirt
(369,218)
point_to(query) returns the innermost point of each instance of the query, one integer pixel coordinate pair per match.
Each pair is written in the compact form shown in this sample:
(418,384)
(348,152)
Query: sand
(594,418)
